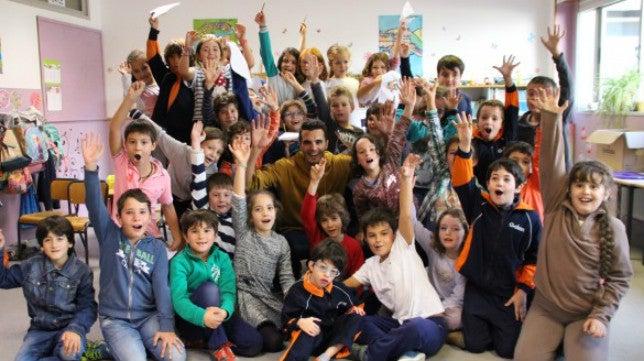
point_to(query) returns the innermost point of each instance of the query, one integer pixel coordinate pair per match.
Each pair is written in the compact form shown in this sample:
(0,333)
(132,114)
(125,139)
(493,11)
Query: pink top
(156,186)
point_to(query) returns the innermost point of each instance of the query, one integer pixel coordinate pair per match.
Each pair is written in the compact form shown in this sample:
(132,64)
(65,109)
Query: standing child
(327,217)
(500,251)
(202,283)
(449,70)
(584,267)
(135,68)
(261,255)
(396,274)
(135,307)
(59,292)
(319,312)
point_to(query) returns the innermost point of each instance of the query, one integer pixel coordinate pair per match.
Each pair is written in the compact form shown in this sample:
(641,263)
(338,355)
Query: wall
(480,32)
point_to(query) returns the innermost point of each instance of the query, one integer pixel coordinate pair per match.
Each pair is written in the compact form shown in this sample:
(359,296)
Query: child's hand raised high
(269,97)
(124,68)
(386,117)
(507,68)
(463,126)
(311,68)
(260,18)
(92,149)
(191,38)
(317,171)
(552,43)
(136,89)
(409,165)
(452,99)
(240,151)
(154,21)
(260,134)
(408,92)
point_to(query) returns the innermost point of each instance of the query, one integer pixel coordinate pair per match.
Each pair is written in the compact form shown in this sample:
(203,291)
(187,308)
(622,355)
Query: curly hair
(382,56)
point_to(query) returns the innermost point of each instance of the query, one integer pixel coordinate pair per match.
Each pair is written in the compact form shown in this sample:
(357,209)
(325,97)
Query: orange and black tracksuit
(330,305)
(175,104)
(498,258)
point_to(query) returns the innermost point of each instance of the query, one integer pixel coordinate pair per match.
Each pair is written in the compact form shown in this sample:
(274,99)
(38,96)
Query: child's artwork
(53,82)
(0,55)
(387,27)
(223,28)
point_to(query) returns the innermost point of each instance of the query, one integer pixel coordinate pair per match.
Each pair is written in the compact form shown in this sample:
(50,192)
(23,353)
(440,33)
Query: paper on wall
(407,11)
(156,12)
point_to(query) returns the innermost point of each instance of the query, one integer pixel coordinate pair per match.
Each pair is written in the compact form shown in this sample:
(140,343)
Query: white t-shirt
(401,283)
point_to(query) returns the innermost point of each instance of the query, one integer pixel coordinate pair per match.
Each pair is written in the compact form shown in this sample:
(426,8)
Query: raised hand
(303,29)
(191,38)
(386,117)
(240,151)
(261,136)
(311,68)
(260,19)
(197,135)
(269,97)
(92,149)
(404,50)
(240,31)
(452,99)
(124,68)
(154,22)
(548,101)
(407,92)
(429,90)
(463,126)
(507,68)
(552,42)
(409,165)
(317,171)
(135,91)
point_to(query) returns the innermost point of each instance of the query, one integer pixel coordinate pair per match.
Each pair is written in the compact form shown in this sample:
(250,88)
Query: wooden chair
(58,189)
(76,195)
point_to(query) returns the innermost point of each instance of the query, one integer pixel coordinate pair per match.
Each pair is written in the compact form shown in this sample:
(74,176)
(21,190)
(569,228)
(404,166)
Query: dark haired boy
(500,252)
(528,129)
(320,313)
(449,70)
(522,153)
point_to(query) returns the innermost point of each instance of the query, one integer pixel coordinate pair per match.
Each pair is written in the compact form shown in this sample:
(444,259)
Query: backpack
(35,143)
(54,143)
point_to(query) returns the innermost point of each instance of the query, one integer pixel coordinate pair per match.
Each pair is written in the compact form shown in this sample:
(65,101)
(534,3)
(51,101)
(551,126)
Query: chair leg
(83,237)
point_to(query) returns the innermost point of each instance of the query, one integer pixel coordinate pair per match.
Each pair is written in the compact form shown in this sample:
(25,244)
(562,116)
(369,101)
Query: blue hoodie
(134,278)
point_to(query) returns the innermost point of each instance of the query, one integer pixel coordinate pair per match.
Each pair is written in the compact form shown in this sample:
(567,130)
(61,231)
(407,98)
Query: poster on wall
(53,84)
(0,55)
(223,28)
(387,28)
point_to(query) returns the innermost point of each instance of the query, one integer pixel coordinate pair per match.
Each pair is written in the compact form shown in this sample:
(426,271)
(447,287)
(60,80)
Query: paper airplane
(163,9)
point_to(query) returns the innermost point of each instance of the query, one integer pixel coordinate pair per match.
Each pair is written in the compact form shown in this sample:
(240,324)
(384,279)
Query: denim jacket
(56,299)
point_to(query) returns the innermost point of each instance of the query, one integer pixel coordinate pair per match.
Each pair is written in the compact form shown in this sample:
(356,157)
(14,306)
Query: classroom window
(70,7)
(609,42)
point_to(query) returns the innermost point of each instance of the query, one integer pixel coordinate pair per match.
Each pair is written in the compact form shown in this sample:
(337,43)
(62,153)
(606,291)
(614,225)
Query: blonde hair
(335,50)
(338,91)
(204,39)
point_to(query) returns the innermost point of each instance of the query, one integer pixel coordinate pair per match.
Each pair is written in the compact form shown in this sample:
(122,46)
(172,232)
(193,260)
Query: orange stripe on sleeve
(462,171)
(460,261)
(152,48)
(525,275)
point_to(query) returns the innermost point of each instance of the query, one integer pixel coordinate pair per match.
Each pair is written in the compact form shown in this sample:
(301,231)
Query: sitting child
(202,282)
(319,312)
(135,305)
(59,291)
(522,153)
(396,274)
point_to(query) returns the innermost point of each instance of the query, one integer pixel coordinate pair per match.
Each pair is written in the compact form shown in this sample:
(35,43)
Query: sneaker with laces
(224,353)
(412,356)
(96,350)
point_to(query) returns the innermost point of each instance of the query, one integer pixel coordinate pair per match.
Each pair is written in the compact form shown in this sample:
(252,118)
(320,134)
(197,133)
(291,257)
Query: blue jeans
(246,339)
(46,346)
(130,340)
(388,340)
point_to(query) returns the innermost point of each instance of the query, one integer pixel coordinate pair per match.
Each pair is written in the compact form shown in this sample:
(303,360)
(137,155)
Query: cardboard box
(620,149)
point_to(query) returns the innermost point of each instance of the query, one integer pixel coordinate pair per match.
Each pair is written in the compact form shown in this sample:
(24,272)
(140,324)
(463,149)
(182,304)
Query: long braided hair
(600,174)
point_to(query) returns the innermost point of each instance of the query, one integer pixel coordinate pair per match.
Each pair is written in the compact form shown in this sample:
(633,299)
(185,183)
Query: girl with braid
(583,265)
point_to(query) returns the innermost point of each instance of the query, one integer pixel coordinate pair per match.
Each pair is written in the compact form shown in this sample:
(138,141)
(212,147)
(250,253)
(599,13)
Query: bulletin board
(71,65)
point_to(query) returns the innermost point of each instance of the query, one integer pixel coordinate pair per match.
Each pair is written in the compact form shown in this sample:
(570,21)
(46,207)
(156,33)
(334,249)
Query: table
(630,185)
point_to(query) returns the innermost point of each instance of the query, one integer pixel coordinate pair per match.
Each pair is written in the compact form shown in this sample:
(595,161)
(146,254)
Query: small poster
(0,55)
(53,83)
(223,28)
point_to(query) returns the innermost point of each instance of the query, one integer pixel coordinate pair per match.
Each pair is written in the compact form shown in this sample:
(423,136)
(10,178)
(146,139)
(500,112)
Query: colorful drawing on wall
(387,27)
(4,99)
(223,28)
(53,82)
(0,55)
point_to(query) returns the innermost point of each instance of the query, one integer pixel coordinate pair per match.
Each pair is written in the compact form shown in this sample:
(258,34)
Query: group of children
(474,203)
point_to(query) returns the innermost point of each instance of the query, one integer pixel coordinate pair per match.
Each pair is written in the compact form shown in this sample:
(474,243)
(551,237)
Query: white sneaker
(412,356)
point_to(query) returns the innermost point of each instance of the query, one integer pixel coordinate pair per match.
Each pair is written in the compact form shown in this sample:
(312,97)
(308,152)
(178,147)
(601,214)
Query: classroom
(65,57)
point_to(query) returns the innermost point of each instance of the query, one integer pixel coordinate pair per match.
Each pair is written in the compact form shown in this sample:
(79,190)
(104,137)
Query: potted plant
(618,97)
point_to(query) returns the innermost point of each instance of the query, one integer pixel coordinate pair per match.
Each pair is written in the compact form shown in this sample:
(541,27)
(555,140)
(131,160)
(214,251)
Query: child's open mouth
(138,227)
(137,156)
(487,130)
(498,192)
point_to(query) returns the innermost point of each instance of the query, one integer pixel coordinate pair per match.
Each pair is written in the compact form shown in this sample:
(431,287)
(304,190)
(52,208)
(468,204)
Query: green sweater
(187,272)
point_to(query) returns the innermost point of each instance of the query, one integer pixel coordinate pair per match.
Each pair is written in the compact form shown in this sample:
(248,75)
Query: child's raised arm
(185,70)
(241,154)
(116,123)
(240,32)
(506,69)
(463,126)
(261,137)
(407,179)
